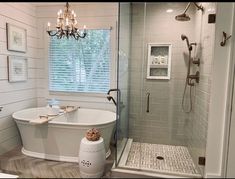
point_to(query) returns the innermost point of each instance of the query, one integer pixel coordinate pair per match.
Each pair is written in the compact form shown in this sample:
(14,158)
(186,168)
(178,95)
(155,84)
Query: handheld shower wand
(188,77)
(184,37)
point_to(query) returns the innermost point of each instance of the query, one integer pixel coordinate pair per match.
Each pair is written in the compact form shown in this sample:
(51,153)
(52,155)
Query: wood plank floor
(14,162)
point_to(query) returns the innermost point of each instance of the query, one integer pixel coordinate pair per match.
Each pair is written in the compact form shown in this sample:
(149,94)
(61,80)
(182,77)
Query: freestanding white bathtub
(59,139)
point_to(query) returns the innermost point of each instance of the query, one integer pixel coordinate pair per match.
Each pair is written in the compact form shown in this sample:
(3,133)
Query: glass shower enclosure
(154,133)
(122,127)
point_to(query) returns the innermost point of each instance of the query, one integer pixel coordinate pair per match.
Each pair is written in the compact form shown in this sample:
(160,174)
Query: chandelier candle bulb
(72,15)
(67,21)
(60,14)
(58,21)
(48,26)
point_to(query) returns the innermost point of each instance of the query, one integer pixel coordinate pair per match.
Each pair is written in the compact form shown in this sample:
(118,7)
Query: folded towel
(41,120)
(71,108)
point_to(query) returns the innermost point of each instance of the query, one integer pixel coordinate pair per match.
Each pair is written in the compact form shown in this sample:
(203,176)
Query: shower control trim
(197,62)
(193,77)
(1,108)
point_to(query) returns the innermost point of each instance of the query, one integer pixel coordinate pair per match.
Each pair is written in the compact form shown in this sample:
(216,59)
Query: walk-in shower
(156,136)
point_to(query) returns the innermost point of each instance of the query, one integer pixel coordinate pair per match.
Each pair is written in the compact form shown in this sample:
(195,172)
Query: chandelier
(66,25)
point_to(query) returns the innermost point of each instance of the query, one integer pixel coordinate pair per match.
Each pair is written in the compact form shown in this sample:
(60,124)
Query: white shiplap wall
(20,95)
(34,92)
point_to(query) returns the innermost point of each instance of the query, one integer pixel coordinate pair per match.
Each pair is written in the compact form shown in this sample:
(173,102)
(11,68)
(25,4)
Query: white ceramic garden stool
(92,158)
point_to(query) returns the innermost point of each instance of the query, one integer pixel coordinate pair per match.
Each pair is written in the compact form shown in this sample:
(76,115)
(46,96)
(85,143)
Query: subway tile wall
(166,121)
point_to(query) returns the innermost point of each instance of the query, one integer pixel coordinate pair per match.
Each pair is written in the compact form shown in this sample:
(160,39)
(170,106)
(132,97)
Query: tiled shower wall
(196,128)
(165,122)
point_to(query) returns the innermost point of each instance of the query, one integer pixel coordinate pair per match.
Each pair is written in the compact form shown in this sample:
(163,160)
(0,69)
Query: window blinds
(80,66)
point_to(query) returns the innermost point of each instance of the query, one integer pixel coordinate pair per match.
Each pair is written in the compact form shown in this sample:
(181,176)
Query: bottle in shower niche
(163,60)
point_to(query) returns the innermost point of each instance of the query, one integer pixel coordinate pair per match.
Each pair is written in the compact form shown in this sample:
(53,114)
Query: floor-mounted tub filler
(59,138)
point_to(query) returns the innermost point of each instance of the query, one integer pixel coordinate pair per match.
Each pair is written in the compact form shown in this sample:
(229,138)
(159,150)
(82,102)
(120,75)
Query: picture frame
(17,68)
(16,38)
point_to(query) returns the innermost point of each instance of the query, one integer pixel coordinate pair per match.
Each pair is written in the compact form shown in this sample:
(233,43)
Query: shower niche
(159,61)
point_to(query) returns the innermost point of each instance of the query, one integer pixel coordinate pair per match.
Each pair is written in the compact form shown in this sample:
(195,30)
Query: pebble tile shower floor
(158,157)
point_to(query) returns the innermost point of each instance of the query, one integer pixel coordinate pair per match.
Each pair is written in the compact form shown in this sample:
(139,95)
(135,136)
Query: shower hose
(190,97)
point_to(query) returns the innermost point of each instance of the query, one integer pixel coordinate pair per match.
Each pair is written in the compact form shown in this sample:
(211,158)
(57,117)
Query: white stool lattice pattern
(176,158)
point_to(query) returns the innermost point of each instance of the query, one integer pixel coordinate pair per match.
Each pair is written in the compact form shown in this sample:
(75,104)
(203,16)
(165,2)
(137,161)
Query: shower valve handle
(197,62)
(193,77)
(1,108)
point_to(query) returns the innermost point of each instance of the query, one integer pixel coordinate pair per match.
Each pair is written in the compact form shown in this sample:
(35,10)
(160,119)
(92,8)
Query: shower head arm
(187,7)
(199,7)
(184,37)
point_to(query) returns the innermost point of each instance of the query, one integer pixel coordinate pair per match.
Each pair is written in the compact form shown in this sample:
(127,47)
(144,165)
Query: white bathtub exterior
(59,139)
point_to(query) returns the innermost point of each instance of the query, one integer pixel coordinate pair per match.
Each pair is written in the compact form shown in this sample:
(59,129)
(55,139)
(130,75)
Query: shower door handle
(148,94)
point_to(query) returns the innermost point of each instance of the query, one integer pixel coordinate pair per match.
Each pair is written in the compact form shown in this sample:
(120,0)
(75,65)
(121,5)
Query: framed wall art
(16,38)
(17,68)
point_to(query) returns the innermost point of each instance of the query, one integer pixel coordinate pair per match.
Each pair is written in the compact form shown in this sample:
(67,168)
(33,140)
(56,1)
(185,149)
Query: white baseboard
(54,157)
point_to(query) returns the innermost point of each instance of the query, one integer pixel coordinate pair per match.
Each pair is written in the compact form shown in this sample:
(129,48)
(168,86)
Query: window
(80,66)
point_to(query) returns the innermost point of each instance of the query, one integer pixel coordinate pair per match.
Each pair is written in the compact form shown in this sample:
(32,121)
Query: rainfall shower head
(182,17)
(184,37)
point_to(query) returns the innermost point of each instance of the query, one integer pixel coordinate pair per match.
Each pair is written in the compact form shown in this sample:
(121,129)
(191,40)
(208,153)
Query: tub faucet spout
(113,90)
(110,97)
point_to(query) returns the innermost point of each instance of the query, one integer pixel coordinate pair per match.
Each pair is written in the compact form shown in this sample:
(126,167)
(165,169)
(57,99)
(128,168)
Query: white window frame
(84,95)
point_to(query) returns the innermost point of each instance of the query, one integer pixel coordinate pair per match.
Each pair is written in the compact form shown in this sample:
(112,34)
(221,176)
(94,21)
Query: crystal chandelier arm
(50,32)
(79,35)
(76,38)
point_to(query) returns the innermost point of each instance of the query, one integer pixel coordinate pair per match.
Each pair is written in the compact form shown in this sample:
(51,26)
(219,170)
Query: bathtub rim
(67,123)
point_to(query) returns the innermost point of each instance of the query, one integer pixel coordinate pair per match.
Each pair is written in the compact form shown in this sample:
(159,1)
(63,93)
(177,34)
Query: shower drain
(160,158)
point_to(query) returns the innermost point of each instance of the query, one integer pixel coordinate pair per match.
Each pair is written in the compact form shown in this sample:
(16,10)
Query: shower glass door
(123,78)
